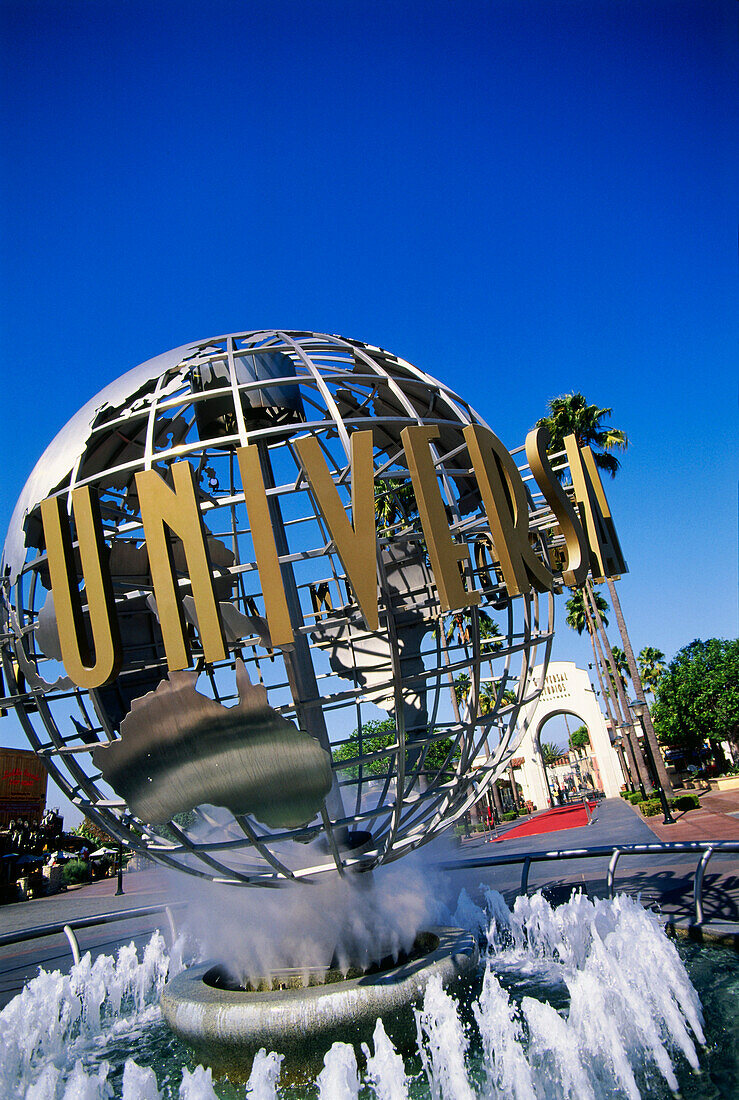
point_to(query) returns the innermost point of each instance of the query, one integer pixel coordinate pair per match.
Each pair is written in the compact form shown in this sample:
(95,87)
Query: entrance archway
(567,690)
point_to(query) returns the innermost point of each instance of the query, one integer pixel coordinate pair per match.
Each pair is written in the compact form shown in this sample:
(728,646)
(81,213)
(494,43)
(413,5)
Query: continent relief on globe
(179,749)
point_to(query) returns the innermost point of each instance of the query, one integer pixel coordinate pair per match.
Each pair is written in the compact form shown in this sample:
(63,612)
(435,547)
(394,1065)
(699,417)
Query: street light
(618,743)
(638,707)
(625,732)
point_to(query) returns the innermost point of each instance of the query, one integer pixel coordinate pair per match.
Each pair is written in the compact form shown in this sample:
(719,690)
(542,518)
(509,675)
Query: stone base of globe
(227,1026)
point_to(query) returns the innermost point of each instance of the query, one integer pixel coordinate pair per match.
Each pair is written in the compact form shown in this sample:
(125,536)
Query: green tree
(580,739)
(698,696)
(651,667)
(379,734)
(570,414)
(97,836)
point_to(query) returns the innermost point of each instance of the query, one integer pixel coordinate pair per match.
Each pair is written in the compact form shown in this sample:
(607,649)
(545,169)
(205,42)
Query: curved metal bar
(698,885)
(612,871)
(525,875)
(73,945)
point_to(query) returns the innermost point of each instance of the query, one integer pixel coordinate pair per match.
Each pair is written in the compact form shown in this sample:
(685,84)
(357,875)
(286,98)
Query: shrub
(635,798)
(511,815)
(686,802)
(76,870)
(651,807)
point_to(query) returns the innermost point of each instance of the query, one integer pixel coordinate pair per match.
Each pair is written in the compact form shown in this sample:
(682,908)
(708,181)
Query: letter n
(77,657)
(179,510)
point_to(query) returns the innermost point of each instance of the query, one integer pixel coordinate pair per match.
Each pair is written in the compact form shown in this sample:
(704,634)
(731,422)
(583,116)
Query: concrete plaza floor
(661,880)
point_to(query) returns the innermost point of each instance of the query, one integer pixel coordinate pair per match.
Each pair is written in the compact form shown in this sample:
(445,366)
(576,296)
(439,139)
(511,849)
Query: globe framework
(401,712)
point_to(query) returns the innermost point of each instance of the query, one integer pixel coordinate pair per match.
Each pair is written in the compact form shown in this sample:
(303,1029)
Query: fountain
(238,680)
(565,1002)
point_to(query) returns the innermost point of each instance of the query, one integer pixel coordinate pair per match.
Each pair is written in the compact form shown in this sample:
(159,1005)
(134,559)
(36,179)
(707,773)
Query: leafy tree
(697,697)
(379,734)
(549,753)
(580,739)
(570,414)
(651,667)
(97,836)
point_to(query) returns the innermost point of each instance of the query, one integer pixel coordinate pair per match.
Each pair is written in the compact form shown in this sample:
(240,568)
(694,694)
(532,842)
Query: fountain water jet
(593,1021)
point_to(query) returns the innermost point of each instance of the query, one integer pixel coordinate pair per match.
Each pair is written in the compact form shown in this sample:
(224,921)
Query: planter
(725,783)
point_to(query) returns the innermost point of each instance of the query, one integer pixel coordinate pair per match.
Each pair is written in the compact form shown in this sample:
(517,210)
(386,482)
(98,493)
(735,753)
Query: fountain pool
(589,999)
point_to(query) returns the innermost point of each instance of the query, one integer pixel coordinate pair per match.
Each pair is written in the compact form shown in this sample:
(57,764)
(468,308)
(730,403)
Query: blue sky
(522,198)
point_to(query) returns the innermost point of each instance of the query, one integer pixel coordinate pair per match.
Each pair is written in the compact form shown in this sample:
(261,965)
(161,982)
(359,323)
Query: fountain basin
(226,1027)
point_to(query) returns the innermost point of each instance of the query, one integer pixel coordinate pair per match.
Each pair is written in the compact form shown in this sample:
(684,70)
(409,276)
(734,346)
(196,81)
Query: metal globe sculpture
(290,688)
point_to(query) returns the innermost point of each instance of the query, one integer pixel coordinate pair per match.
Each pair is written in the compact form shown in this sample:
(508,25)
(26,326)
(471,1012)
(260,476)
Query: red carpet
(561,817)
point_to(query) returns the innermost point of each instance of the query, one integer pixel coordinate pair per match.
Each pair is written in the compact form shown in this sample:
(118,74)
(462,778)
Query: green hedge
(651,807)
(686,802)
(635,798)
(76,870)
(510,816)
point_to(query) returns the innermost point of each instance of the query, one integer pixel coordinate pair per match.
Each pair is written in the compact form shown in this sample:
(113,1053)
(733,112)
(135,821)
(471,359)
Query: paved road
(666,881)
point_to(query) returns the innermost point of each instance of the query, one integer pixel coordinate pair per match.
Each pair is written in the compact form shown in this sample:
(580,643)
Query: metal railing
(70,928)
(614,851)
(706,848)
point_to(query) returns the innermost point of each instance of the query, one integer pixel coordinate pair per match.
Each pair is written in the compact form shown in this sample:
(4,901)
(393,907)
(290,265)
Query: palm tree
(394,501)
(550,753)
(577,616)
(570,414)
(651,667)
(621,664)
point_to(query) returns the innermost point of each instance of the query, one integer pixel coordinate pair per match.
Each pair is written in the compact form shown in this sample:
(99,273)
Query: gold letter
(606,559)
(356,542)
(178,508)
(444,552)
(265,551)
(576,544)
(504,497)
(76,654)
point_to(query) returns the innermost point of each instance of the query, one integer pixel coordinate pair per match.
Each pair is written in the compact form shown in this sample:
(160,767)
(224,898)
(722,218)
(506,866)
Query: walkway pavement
(662,881)
(717,819)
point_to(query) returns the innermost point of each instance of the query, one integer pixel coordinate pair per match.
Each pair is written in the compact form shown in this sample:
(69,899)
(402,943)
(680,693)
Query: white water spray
(616,1031)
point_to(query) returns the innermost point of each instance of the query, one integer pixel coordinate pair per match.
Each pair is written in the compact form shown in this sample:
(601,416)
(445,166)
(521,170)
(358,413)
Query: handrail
(60,927)
(706,847)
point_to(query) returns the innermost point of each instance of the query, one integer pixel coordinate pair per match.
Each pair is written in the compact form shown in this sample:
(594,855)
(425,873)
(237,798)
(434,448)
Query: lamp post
(638,707)
(618,743)
(119,891)
(625,732)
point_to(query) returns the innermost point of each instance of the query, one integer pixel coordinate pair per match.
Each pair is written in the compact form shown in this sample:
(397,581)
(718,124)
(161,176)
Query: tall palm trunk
(662,776)
(514,789)
(627,770)
(497,800)
(610,666)
(612,701)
